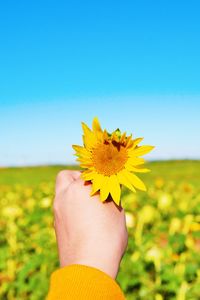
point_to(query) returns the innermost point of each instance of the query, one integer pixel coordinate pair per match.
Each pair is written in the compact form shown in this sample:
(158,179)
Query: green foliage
(162,259)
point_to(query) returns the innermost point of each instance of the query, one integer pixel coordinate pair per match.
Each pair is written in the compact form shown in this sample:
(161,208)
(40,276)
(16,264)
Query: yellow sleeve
(80,282)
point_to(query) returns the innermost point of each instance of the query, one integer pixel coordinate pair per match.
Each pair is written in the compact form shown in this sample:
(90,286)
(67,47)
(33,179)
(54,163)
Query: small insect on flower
(110,160)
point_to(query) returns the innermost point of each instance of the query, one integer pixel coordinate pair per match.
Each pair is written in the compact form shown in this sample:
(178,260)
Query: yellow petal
(105,135)
(86,165)
(84,160)
(142,150)
(137,141)
(123,137)
(88,175)
(135,181)
(114,137)
(136,161)
(129,144)
(104,191)
(96,125)
(123,180)
(96,183)
(115,189)
(89,138)
(136,169)
(129,138)
(81,151)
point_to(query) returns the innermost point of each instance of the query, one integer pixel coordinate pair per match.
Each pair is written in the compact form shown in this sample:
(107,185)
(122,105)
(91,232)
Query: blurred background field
(162,259)
(135,65)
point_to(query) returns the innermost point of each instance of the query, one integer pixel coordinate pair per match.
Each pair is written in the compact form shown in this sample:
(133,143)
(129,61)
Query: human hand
(88,231)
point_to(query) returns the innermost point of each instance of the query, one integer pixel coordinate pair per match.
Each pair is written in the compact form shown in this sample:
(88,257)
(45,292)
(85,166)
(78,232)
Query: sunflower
(110,160)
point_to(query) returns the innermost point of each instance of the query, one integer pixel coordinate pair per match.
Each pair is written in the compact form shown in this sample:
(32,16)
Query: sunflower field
(162,260)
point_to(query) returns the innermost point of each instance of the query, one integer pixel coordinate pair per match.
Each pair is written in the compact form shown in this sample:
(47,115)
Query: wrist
(108,267)
(107,263)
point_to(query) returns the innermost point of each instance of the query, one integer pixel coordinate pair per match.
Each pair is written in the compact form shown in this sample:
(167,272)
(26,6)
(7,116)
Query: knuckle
(61,175)
(63,180)
(71,189)
(60,180)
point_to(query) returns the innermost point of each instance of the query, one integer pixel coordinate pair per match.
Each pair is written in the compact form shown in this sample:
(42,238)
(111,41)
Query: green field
(162,259)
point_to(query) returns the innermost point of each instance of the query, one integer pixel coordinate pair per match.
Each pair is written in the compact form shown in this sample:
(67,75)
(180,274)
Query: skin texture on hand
(88,231)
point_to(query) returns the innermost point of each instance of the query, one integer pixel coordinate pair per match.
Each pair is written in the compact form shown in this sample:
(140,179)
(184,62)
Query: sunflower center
(109,158)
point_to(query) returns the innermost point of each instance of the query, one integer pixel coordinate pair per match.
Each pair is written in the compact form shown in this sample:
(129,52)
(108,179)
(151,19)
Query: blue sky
(135,64)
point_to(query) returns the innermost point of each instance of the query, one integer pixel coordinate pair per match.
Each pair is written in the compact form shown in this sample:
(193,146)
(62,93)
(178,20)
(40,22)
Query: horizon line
(76,165)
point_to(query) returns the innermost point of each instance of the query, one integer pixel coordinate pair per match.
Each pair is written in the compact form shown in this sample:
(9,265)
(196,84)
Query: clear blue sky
(135,64)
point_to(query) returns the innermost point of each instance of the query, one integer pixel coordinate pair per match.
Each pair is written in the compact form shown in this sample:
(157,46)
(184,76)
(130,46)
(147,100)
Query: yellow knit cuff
(81,282)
